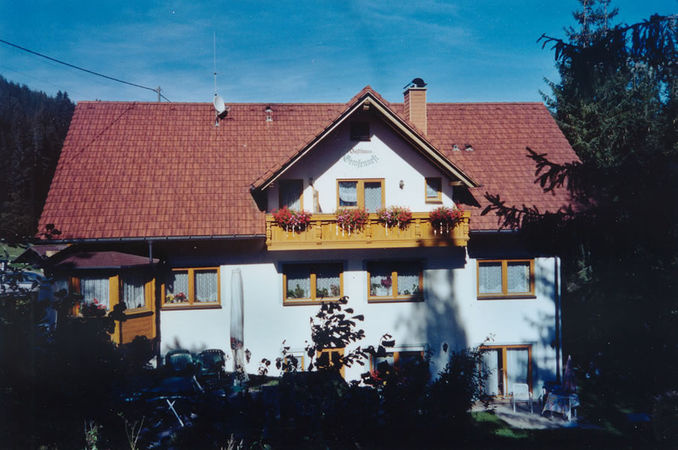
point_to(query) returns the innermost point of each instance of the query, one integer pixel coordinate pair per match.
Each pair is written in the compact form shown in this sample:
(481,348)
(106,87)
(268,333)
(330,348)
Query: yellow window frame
(360,191)
(504,280)
(330,352)
(149,296)
(396,357)
(419,296)
(190,296)
(313,269)
(439,191)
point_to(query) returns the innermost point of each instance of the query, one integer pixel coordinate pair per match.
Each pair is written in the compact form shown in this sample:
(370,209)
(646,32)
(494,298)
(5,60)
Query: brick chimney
(415,103)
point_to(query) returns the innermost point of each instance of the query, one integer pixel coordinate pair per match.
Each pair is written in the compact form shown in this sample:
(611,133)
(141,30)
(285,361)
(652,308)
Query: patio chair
(211,363)
(521,393)
(179,361)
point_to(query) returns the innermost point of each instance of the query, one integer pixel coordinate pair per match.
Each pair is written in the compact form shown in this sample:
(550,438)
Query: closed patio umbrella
(237,327)
(569,383)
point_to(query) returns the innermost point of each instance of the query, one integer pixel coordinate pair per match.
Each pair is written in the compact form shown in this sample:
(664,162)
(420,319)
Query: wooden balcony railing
(324,233)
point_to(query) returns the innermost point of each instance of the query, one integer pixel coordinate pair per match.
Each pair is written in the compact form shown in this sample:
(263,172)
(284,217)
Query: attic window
(455,147)
(360,131)
(269,114)
(468,147)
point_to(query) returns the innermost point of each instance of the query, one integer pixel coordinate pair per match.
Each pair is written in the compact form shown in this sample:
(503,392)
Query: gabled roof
(154,170)
(370,98)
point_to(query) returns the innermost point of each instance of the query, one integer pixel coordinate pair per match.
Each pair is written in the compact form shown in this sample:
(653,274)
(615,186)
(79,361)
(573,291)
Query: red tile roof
(163,169)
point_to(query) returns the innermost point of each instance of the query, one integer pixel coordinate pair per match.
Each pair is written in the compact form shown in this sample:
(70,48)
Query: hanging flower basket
(443,218)
(291,220)
(351,220)
(395,216)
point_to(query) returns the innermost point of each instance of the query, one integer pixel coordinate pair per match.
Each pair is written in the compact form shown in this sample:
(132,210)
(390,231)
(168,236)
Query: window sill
(508,297)
(434,201)
(399,299)
(183,307)
(137,312)
(309,301)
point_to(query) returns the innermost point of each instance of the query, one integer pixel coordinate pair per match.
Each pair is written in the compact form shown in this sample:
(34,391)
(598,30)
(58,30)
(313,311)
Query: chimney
(415,103)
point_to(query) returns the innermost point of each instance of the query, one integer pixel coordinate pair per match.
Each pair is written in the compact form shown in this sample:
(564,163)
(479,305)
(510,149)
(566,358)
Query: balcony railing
(324,233)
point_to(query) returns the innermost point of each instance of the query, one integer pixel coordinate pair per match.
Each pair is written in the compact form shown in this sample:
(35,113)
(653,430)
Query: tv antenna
(220,107)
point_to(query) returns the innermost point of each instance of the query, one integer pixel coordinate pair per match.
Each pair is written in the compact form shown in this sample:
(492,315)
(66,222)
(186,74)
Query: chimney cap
(416,83)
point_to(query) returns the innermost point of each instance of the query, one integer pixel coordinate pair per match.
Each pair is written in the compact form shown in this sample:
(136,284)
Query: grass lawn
(492,432)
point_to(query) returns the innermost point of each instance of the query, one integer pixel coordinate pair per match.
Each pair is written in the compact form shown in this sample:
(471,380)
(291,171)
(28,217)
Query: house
(162,202)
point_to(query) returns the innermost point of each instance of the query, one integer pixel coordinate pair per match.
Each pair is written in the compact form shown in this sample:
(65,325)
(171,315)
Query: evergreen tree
(33,127)
(617,104)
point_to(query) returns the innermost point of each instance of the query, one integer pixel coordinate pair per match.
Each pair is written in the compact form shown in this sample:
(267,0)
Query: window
(291,194)
(304,283)
(330,357)
(502,278)
(399,359)
(95,288)
(434,188)
(294,362)
(133,289)
(360,131)
(399,281)
(504,366)
(367,194)
(194,287)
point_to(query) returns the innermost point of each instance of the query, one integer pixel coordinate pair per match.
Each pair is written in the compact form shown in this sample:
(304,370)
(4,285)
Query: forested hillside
(33,126)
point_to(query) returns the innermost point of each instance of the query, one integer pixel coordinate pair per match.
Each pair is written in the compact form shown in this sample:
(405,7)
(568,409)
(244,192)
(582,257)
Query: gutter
(227,237)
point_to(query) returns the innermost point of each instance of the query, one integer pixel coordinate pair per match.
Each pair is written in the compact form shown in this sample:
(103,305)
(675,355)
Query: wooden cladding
(324,233)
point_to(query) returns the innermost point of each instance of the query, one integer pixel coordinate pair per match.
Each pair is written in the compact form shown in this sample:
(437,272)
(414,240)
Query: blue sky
(291,51)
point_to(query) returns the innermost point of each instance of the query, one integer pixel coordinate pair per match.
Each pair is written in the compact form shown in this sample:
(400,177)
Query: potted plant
(350,220)
(177,298)
(383,288)
(291,220)
(395,216)
(444,218)
(93,309)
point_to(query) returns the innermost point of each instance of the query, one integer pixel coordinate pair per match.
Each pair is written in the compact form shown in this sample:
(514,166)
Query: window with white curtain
(395,280)
(192,287)
(504,366)
(290,194)
(206,286)
(367,194)
(505,278)
(134,289)
(95,288)
(312,282)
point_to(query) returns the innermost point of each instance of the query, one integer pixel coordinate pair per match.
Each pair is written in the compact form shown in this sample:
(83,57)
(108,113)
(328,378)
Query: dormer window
(290,194)
(360,131)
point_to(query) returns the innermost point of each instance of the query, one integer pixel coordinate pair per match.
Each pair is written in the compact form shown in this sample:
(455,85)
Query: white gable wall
(385,156)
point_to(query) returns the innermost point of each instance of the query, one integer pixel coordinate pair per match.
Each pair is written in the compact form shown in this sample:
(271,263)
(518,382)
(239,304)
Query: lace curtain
(133,292)
(489,278)
(95,288)
(206,286)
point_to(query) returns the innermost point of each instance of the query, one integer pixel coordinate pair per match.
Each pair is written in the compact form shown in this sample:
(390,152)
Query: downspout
(156,318)
(559,318)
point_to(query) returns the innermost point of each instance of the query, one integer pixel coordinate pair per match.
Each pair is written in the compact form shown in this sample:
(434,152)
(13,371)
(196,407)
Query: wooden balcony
(323,234)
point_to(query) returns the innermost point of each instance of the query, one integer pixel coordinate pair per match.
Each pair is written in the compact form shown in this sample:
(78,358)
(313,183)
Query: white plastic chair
(521,393)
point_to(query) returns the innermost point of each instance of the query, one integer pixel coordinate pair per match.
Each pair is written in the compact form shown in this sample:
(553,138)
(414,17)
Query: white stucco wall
(338,157)
(450,312)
